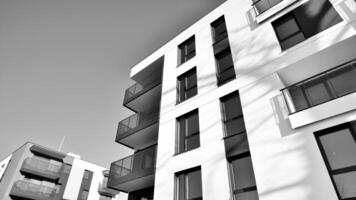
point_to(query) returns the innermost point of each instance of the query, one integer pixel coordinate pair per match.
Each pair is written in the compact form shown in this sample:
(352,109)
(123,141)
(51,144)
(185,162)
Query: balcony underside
(140,137)
(149,97)
(135,181)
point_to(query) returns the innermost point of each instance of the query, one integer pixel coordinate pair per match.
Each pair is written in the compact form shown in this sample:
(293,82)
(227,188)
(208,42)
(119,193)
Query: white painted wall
(3,165)
(287,162)
(75,179)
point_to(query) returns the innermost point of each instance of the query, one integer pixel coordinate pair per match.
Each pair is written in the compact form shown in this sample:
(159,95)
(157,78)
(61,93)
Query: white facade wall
(287,161)
(75,180)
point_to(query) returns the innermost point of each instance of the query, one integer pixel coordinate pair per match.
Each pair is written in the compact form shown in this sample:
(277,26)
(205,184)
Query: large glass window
(243,178)
(187,50)
(304,22)
(225,66)
(219,29)
(188,132)
(232,115)
(187,85)
(338,147)
(188,185)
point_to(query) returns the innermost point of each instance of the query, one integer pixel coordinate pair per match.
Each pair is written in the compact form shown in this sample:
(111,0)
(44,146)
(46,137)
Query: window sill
(274,10)
(181,153)
(180,64)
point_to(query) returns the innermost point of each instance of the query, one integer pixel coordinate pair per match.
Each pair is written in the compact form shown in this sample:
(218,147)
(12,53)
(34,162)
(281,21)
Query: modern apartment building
(254,101)
(34,172)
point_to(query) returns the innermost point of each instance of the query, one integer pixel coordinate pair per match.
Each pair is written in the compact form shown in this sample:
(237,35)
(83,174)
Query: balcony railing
(136,121)
(321,88)
(30,190)
(132,165)
(41,167)
(261,6)
(138,89)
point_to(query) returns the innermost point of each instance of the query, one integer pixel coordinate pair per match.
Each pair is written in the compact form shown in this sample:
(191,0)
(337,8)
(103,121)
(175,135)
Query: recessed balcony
(134,172)
(41,168)
(27,190)
(139,130)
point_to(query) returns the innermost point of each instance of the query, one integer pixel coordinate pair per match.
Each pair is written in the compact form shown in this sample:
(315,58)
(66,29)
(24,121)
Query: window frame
(214,25)
(331,172)
(184,78)
(184,54)
(181,137)
(177,178)
(232,95)
(218,57)
(234,191)
(284,19)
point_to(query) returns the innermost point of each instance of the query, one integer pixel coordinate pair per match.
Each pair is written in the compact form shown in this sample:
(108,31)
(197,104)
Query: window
(288,31)
(242,178)
(188,132)
(225,66)
(263,5)
(233,120)
(188,185)
(304,22)
(187,85)
(338,148)
(187,50)
(219,29)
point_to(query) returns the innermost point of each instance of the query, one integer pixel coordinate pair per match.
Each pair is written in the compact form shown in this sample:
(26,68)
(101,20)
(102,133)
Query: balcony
(134,172)
(262,6)
(140,95)
(319,89)
(28,190)
(41,168)
(139,130)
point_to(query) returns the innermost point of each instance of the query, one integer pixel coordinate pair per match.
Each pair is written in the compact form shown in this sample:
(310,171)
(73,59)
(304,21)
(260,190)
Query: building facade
(34,172)
(254,101)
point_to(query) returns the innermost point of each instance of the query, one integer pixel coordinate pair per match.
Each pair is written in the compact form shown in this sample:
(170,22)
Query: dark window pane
(181,187)
(187,85)
(232,107)
(274,2)
(243,175)
(226,75)
(192,142)
(316,91)
(340,148)
(298,98)
(193,185)
(343,80)
(191,92)
(187,49)
(192,80)
(219,29)
(193,124)
(345,184)
(291,41)
(286,28)
(252,195)
(225,62)
(261,6)
(235,126)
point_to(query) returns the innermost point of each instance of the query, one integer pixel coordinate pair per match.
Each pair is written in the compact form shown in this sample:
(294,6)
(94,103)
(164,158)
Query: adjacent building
(254,101)
(34,172)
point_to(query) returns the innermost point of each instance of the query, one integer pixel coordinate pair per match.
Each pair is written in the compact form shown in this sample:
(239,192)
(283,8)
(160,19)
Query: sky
(64,68)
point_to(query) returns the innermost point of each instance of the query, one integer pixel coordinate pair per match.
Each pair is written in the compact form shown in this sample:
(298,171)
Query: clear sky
(64,67)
